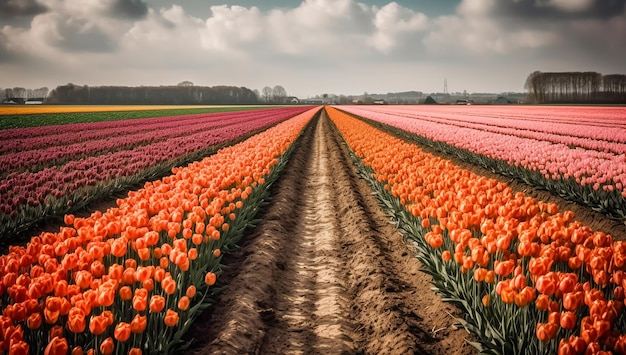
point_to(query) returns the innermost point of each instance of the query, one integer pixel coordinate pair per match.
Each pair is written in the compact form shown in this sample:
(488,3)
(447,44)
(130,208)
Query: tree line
(576,87)
(181,94)
(184,93)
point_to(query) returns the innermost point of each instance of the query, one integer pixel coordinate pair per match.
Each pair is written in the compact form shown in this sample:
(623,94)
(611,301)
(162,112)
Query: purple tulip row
(20,192)
(63,147)
(21,139)
(78,128)
(597,168)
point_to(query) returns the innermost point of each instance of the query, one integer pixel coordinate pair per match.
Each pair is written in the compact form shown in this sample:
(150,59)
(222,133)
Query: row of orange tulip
(510,260)
(132,279)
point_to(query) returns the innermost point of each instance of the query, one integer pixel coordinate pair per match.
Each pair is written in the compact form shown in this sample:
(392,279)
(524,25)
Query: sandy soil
(325,272)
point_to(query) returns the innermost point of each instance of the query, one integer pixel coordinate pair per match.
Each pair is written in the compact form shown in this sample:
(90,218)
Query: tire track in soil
(325,272)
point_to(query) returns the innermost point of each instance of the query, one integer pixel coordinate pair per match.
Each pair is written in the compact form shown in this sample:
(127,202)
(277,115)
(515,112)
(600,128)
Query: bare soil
(325,272)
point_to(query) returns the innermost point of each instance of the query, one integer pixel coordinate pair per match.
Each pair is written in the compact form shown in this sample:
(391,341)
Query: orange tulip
(191,291)
(128,277)
(183,303)
(68,219)
(568,320)
(546,331)
(446,256)
(542,302)
(83,279)
(126,293)
(138,324)
(57,346)
(60,288)
(504,268)
(50,317)
(130,263)
(119,247)
(169,285)
(210,279)
(98,324)
(479,274)
(140,300)
(107,346)
(525,296)
(34,321)
(197,239)
(142,273)
(192,254)
(573,300)
(122,331)
(76,320)
(171,318)
(116,271)
(485,300)
(144,254)
(546,285)
(490,277)
(148,285)
(157,303)
(106,296)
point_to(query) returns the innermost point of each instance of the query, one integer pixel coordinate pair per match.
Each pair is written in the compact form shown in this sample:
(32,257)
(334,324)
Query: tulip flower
(171,318)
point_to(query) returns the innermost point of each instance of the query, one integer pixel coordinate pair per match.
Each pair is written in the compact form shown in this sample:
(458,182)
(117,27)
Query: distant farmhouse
(292,100)
(313,101)
(501,100)
(14,101)
(22,101)
(430,101)
(34,101)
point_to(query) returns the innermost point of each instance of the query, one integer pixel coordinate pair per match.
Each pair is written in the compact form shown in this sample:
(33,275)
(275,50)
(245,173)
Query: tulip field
(526,276)
(577,153)
(132,278)
(52,170)
(531,278)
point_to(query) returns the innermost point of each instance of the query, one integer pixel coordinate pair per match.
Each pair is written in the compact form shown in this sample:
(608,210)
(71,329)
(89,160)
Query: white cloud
(335,26)
(231,27)
(393,20)
(315,42)
(473,30)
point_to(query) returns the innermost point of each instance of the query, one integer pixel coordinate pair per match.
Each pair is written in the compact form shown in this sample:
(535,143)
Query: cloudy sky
(309,47)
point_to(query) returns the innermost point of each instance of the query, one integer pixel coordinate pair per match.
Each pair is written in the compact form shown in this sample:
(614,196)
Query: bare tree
(279,94)
(578,87)
(267,94)
(19,92)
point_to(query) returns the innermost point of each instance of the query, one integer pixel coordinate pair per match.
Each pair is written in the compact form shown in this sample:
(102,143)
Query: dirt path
(325,272)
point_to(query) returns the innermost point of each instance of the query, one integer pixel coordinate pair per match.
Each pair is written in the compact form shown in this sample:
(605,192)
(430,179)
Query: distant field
(32,116)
